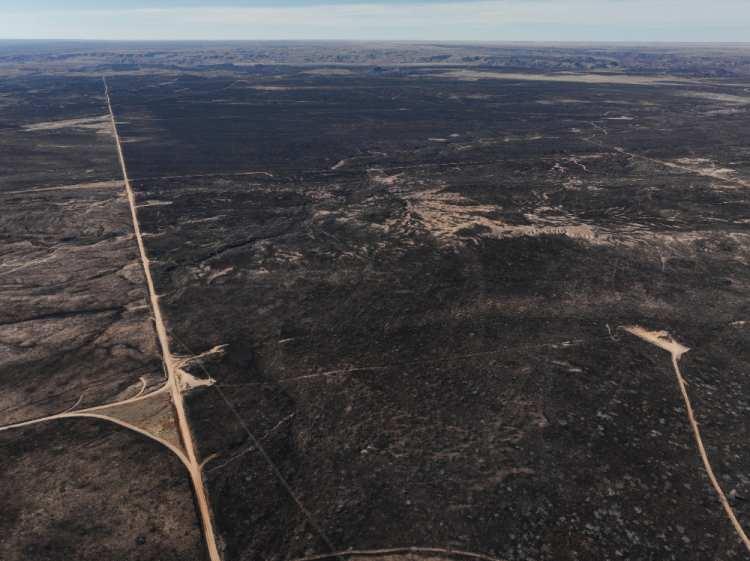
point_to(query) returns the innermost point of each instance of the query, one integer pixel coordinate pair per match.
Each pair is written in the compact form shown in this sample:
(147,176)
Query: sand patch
(114,184)
(218,274)
(272,88)
(329,72)
(491,141)
(188,381)
(474,75)
(376,176)
(661,339)
(700,166)
(560,101)
(453,218)
(707,167)
(101,125)
(154,202)
(726,98)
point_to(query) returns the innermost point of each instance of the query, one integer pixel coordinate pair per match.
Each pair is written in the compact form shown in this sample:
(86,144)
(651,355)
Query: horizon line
(383,40)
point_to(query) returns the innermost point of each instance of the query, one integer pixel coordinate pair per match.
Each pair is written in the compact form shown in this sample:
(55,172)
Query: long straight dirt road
(173,375)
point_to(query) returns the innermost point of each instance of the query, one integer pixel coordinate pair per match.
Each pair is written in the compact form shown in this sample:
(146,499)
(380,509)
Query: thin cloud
(685,20)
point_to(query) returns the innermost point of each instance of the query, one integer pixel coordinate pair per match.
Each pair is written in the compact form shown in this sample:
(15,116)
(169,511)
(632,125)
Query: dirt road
(662,340)
(174,384)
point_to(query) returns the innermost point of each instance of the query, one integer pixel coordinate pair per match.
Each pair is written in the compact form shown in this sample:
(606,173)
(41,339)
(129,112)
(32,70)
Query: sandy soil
(473,75)
(100,124)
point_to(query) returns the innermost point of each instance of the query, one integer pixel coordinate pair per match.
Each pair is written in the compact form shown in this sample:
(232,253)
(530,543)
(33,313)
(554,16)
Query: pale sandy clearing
(329,72)
(99,124)
(116,183)
(446,215)
(725,175)
(272,88)
(473,75)
(727,98)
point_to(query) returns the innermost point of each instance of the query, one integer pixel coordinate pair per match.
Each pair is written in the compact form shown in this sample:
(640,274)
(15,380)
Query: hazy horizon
(582,21)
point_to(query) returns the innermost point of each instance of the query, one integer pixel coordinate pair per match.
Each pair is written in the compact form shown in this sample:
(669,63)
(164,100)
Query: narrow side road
(662,340)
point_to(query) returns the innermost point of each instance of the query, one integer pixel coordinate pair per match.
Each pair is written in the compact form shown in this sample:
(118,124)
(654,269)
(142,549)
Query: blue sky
(461,20)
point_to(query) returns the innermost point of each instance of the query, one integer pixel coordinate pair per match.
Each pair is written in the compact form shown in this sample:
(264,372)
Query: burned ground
(75,333)
(421,280)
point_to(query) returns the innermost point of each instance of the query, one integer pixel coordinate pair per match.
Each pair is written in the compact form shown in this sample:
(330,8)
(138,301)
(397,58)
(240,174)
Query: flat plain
(417,302)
